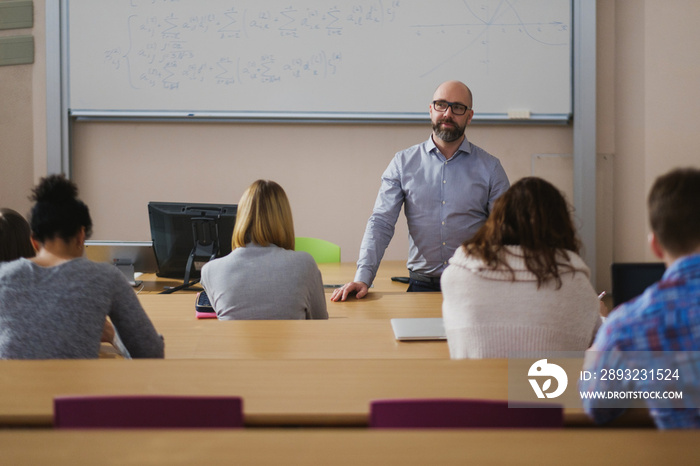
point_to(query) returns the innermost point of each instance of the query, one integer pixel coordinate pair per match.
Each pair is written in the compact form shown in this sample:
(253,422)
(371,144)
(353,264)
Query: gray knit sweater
(59,312)
(256,283)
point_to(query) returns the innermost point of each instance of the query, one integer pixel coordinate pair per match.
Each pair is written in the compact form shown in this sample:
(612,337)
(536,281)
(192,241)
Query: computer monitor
(630,279)
(187,235)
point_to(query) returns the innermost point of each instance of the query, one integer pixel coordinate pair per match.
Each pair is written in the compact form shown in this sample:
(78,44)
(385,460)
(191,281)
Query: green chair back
(321,250)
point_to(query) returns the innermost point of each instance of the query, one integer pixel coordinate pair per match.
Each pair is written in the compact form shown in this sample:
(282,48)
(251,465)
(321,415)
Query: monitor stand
(205,231)
(126,267)
(185,286)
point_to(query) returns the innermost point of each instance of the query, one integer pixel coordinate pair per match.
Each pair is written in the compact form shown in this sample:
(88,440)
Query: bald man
(447,186)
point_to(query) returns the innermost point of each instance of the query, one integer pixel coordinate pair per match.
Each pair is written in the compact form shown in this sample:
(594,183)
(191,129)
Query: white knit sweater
(489,314)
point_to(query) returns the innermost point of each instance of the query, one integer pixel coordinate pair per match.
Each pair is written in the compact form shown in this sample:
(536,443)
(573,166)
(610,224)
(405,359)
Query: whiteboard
(288,59)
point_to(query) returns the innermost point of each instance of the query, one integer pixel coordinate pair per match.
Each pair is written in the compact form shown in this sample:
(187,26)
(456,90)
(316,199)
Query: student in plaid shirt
(665,319)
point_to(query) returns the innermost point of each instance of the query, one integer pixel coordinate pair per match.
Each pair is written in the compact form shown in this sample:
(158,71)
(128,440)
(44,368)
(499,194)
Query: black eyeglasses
(443,105)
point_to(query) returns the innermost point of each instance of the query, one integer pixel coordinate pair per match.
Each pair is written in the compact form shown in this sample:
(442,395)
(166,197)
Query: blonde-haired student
(264,277)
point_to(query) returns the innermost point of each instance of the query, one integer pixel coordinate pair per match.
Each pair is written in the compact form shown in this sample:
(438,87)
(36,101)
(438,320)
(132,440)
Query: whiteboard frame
(305,117)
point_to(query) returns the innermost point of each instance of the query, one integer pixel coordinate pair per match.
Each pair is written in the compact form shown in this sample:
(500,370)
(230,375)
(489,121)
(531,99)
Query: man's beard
(448,135)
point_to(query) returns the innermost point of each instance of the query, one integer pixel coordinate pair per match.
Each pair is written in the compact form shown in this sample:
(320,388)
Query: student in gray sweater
(55,305)
(264,277)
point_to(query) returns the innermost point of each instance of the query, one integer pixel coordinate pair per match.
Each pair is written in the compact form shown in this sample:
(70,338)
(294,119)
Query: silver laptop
(426,328)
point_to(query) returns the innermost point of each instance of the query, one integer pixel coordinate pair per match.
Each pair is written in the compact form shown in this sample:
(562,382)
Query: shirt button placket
(443,233)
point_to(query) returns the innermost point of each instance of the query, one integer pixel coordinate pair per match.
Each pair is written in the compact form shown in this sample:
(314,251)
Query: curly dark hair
(534,215)
(57,211)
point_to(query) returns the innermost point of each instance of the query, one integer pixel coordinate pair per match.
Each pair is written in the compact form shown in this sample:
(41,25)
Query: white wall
(16,131)
(330,172)
(657,101)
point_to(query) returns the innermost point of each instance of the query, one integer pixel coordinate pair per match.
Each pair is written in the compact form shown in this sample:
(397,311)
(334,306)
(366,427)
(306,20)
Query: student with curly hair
(55,305)
(519,284)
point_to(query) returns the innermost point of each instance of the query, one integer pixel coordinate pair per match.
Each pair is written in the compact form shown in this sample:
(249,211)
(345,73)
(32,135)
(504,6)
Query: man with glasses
(447,185)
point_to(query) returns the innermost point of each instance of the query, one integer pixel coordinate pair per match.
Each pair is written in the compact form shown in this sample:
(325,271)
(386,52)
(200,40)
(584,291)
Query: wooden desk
(302,392)
(296,339)
(333,274)
(275,392)
(384,305)
(345,272)
(357,329)
(347,447)
(387,305)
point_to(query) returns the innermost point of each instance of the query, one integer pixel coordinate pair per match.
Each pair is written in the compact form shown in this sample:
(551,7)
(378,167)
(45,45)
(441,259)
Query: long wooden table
(348,447)
(333,274)
(332,339)
(356,329)
(313,392)
(385,305)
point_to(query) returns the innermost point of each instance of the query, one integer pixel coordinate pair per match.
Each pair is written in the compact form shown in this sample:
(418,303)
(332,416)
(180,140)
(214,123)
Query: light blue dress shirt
(445,203)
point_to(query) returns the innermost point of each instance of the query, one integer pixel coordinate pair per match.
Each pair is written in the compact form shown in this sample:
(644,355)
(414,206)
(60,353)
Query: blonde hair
(264,217)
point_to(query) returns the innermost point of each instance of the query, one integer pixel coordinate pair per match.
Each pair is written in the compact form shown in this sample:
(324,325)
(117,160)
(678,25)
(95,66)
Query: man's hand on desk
(359,288)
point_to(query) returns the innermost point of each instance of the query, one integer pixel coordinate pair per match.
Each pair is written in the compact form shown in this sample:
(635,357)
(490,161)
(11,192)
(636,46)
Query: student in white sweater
(264,277)
(519,285)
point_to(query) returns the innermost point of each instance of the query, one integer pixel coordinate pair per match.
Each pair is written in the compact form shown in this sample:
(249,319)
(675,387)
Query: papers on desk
(426,328)
(119,345)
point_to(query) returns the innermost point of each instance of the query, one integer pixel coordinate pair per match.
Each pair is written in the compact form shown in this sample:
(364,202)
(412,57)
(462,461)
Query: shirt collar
(683,267)
(431,148)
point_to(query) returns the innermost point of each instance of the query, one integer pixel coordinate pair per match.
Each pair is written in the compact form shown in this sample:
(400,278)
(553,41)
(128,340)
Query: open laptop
(630,279)
(426,328)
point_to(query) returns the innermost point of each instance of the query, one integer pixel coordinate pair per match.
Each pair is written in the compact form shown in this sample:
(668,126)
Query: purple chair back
(148,411)
(462,413)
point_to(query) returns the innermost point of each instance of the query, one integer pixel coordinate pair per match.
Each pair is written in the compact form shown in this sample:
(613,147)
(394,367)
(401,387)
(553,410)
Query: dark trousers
(419,286)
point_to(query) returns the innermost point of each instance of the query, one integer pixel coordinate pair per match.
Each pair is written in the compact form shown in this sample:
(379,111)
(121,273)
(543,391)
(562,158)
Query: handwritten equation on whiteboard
(173,49)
